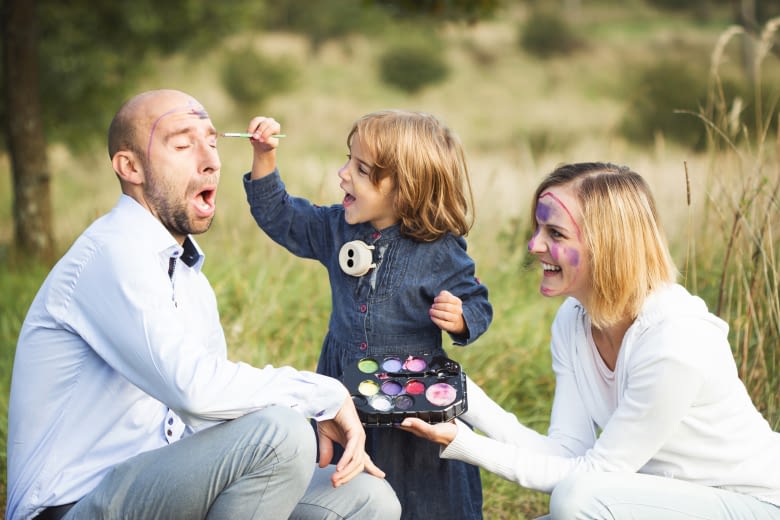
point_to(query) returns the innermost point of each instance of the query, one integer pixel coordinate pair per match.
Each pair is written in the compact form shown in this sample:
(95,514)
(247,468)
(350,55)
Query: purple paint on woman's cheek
(574,257)
(555,253)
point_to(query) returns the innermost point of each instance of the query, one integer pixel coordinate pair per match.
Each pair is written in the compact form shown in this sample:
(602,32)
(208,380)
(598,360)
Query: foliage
(469,10)
(656,92)
(411,66)
(92,53)
(250,78)
(546,33)
(324,21)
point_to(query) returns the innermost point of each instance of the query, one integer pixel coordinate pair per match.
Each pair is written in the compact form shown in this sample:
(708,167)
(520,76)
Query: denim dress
(383,312)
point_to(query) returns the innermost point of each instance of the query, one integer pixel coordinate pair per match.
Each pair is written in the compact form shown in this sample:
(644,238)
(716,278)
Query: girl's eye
(556,234)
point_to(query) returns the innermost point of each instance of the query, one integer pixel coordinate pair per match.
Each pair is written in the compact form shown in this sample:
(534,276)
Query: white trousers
(637,496)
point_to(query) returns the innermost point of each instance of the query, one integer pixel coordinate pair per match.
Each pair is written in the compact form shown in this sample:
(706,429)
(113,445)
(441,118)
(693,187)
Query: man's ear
(127,167)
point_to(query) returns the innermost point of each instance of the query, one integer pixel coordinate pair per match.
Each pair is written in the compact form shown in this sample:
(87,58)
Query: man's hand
(346,430)
(441,433)
(447,313)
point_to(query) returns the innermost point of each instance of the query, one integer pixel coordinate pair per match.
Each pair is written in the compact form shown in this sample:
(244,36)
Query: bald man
(123,401)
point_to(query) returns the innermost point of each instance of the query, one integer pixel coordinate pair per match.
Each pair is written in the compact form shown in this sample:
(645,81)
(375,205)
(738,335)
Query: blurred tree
(23,126)
(65,67)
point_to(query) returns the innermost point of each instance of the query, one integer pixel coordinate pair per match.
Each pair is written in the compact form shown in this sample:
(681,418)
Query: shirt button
(376,234)
(363,307)
(363,346)
(169,433)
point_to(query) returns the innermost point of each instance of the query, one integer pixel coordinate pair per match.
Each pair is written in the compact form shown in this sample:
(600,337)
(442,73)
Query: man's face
(181,165)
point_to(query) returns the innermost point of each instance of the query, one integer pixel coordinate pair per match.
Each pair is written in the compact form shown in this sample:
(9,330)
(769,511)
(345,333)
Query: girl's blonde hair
(427,165)
(629,255)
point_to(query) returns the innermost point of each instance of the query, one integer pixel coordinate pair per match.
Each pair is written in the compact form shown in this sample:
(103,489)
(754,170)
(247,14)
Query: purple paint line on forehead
(560,202)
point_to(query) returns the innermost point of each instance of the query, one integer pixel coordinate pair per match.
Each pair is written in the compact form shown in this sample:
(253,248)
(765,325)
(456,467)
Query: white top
(674,406)
(110,343)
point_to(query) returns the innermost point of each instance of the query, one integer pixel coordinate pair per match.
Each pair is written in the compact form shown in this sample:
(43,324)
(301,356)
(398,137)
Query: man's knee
(287,431)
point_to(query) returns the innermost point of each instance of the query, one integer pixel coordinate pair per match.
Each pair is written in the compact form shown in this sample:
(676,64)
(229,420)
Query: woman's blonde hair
(629,255)
(427,166)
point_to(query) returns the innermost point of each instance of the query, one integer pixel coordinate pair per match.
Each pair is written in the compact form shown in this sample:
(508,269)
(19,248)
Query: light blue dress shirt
(116,358)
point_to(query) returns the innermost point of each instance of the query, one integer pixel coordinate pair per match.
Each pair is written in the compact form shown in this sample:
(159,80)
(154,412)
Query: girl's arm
(466,316)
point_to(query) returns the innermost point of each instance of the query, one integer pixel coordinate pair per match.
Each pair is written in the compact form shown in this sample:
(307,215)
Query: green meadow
(519,116)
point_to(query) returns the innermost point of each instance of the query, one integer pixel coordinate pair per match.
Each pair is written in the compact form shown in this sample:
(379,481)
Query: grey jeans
(591,496)
(261,465)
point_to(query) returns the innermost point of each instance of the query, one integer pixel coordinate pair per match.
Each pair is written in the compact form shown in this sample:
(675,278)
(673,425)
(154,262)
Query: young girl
(407,195)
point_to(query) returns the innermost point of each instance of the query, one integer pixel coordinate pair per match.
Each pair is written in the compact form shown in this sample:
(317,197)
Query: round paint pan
(392,364)
(380,402)
(403,402)
(392,387)
(414,387)
(368,365)
(368,387)
(441,394)
(415,364)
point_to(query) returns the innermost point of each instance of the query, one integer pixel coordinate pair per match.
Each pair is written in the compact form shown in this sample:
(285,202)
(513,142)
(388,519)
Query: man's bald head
(131,126)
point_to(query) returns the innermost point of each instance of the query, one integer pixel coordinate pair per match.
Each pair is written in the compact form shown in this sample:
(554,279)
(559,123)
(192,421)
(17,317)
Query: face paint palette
(387,389)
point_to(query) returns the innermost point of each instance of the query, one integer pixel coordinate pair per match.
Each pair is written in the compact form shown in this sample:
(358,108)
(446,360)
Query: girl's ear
(127,167)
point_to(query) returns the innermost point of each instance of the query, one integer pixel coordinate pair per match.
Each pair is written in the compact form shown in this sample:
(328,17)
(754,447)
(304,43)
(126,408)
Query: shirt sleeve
(169,343)
(457,274)
(660,390)
(294,223)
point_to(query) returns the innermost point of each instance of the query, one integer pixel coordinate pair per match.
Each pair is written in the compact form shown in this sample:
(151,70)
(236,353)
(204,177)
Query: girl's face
(558,244)
(365,202)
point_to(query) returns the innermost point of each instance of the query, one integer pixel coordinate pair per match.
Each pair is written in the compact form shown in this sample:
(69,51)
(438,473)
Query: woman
(649,418)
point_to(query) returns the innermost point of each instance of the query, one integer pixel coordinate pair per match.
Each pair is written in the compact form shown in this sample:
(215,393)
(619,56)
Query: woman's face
(559,246)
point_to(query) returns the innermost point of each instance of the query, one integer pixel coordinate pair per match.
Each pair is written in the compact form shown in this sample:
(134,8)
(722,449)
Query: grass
(518,118)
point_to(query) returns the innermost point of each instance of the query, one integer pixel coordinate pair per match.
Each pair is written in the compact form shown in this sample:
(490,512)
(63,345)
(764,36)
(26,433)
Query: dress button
(363,346)
(363,307)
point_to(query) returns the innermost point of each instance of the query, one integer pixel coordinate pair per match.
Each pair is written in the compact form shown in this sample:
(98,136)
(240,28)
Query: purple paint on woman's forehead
(543,211)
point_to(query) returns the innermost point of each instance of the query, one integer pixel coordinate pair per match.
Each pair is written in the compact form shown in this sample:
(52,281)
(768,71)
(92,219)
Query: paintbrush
(244,134)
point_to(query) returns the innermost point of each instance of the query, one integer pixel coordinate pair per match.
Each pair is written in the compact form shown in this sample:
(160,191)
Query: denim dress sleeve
(454,271)
(301,227)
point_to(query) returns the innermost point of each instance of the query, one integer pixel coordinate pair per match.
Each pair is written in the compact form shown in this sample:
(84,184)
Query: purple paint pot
(392,387)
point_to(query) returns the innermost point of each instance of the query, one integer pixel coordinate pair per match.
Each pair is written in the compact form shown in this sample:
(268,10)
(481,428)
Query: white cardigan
(674,406)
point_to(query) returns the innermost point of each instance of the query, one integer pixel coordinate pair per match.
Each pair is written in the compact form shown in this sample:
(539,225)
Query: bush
(656,93)
(411,67)
(250,78)
(545,34)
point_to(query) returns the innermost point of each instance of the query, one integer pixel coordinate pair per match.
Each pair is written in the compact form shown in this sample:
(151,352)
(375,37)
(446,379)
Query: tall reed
(741,223)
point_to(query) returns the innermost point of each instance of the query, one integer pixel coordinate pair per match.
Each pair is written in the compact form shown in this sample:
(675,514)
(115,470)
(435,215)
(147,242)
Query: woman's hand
(441,433)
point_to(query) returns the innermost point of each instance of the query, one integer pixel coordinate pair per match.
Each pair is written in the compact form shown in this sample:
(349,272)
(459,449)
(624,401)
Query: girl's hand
(264,146)
(441,433)
(447,313)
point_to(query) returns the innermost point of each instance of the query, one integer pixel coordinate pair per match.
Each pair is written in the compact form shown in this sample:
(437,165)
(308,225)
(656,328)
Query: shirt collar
(158,236)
